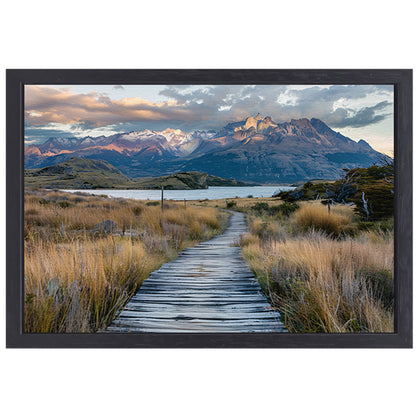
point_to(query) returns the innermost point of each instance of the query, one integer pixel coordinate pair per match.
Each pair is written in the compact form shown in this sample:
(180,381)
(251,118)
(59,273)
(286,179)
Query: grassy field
(325,271)
(236,204)
(81,268)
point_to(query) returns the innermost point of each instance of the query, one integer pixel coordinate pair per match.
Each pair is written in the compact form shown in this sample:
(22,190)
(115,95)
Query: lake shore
(211,193)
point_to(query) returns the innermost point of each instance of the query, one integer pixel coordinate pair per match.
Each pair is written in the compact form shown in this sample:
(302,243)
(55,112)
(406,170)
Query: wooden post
(162,197)
(184,202)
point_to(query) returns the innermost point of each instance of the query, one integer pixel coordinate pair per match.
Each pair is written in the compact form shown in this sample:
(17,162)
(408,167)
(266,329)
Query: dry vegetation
(325,271)
(322,270)
(237,204)
(76,276)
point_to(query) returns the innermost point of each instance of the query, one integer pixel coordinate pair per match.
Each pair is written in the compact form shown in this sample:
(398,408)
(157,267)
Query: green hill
(76,173)
(80,173)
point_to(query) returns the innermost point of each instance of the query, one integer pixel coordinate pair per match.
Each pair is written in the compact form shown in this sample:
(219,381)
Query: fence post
(162,198)
(184,202)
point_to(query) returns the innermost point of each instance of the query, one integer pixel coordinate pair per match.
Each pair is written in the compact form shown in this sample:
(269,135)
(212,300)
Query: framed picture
(209,208)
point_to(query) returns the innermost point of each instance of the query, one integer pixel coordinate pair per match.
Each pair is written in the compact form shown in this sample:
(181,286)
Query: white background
(204,34)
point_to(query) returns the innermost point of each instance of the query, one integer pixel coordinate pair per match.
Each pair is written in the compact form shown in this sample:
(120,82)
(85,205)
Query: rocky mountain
(255,149)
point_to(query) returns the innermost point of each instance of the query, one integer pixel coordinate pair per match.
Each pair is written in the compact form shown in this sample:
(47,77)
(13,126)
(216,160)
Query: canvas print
(209,209)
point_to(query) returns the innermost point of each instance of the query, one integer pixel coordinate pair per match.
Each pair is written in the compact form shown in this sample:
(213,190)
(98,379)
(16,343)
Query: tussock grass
(79,286)
(317,216)
(319,283)
(77,279)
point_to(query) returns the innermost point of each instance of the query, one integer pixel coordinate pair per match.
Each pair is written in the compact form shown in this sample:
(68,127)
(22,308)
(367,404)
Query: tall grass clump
(318,217)
(79,286)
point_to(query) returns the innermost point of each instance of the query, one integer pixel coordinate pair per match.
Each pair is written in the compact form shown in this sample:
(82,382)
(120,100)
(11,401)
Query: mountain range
(255,149)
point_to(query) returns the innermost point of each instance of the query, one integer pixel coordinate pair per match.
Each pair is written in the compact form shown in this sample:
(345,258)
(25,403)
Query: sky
(356,111)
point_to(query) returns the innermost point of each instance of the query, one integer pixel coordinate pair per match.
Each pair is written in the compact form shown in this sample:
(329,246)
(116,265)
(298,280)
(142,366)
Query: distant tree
(374,196)
(370,189)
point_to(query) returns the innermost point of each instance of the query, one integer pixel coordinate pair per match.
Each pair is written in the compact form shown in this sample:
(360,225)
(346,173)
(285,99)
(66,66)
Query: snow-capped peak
(134,135)
(172,131)
(175,137)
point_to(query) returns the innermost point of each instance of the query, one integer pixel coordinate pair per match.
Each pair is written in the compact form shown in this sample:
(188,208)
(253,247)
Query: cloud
(368,115)
(52,109)
(44,105)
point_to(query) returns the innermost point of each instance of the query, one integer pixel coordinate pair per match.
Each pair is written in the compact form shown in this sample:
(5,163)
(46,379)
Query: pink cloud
(44,105)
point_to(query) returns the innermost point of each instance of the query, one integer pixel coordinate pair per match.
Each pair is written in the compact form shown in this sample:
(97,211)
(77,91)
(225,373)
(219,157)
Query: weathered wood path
(208,288)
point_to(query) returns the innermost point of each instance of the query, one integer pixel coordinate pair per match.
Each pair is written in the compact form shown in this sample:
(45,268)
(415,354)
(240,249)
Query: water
(213,192)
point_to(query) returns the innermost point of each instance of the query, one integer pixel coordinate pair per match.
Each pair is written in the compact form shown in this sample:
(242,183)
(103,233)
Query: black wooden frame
(402,80)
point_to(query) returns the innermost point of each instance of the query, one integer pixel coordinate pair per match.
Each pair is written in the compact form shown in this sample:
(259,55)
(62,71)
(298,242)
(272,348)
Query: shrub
(260,206)
(284,209)
(231,204)
(379,197)
(64,204)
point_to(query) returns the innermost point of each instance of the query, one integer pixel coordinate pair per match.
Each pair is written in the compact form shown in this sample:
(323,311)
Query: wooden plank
(213,330)
(208,288)
(207,302)
(193,310)
(209,315)
(183,285)
(201,323)
(197,303)
(193,298)
(197,291)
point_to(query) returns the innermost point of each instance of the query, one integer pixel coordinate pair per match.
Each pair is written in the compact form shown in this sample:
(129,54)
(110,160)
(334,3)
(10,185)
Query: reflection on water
(213,192)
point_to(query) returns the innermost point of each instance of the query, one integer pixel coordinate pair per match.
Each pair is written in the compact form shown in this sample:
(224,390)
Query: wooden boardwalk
(208,288)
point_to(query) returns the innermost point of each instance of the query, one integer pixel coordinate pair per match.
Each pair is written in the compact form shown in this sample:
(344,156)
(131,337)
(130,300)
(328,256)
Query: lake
(213,192)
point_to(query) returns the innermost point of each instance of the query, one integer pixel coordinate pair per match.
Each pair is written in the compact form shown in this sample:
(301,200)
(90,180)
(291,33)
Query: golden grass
(325,285)
(317,216)
(79,286)
(241,204)
(76,279)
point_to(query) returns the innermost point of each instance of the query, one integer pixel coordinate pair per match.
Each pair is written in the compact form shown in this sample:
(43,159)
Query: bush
(64,204)
(153,203)
(386,225)
(285,209)
(260,206)
(231,204)
(380,201)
